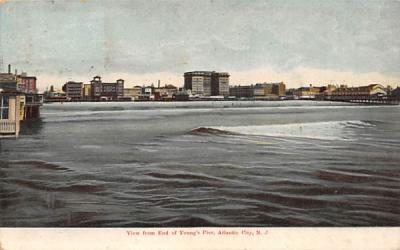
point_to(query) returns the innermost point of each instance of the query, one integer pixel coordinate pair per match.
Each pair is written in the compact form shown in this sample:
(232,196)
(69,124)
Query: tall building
(102,91)
(279,89)
(221,85)
(207,83)
(73,90)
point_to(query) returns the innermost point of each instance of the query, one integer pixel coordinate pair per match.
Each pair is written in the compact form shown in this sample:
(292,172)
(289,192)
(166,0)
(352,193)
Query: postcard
(182,124)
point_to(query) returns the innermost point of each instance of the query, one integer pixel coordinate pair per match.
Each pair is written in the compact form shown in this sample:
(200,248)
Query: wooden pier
(362,99)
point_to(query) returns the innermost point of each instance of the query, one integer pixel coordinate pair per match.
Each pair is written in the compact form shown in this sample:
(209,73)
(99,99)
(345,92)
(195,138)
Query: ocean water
(285,163)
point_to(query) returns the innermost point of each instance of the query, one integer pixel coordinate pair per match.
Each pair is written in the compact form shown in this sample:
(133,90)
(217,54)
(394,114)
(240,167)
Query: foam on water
(332,130)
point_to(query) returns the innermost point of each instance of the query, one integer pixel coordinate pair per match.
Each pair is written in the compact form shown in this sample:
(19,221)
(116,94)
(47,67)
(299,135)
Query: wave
(332,130)
(46,186)
(37,164)
(208,130)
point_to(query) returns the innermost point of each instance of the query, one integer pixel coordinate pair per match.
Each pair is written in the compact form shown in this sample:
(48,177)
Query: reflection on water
(203,164)
(31,127)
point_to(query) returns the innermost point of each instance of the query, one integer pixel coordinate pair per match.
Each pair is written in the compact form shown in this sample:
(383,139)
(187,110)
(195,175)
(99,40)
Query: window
(4,107)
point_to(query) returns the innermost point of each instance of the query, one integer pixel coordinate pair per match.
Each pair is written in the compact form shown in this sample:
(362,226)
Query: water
(288,163)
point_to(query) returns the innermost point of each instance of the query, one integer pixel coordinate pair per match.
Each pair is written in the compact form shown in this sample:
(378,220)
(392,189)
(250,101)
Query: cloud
(303,76)
(143,38)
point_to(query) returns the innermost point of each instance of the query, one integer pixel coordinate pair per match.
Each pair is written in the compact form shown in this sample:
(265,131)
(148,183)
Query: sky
(294,41)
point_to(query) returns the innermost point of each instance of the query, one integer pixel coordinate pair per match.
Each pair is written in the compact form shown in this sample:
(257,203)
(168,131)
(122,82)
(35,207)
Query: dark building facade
(396,92)
(242,91)
(8,81)
(207,83)
(180,96)
(102,91)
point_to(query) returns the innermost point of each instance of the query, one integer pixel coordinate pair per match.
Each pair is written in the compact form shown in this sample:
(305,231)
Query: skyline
(301,42)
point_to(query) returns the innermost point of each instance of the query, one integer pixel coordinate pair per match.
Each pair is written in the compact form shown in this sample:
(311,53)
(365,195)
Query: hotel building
(73,90)
(207,83)
(102,91)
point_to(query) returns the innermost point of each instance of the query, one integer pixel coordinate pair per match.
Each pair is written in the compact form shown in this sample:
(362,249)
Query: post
(16,116)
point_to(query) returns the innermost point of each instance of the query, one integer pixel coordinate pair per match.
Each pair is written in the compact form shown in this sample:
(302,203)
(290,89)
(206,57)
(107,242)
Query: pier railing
(7,127)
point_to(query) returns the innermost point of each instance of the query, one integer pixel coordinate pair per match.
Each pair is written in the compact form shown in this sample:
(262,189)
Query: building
(8,81)
(73,91)
(55,95)
(242,91)
(87,90)
(102,91)
(220,84)
(269,90)
(180,96)
(207,83)
(262,89)
(22,83)
(327,90)
(28,100)
(147,93)
(279,89)
(266,89)
(307,92)
(388,90)
(11,104)
(164,93)
(395,92)
(133,93)
(26,84)
(372,89)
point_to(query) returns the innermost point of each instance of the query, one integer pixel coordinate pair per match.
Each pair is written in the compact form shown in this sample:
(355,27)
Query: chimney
(16,72)
(9,69)
(158,83)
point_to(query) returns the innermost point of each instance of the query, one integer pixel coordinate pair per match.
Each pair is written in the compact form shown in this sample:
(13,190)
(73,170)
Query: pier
(362,99)
(32,105)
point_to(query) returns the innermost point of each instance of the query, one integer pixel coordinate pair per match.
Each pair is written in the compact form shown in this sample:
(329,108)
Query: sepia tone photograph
(226,117)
